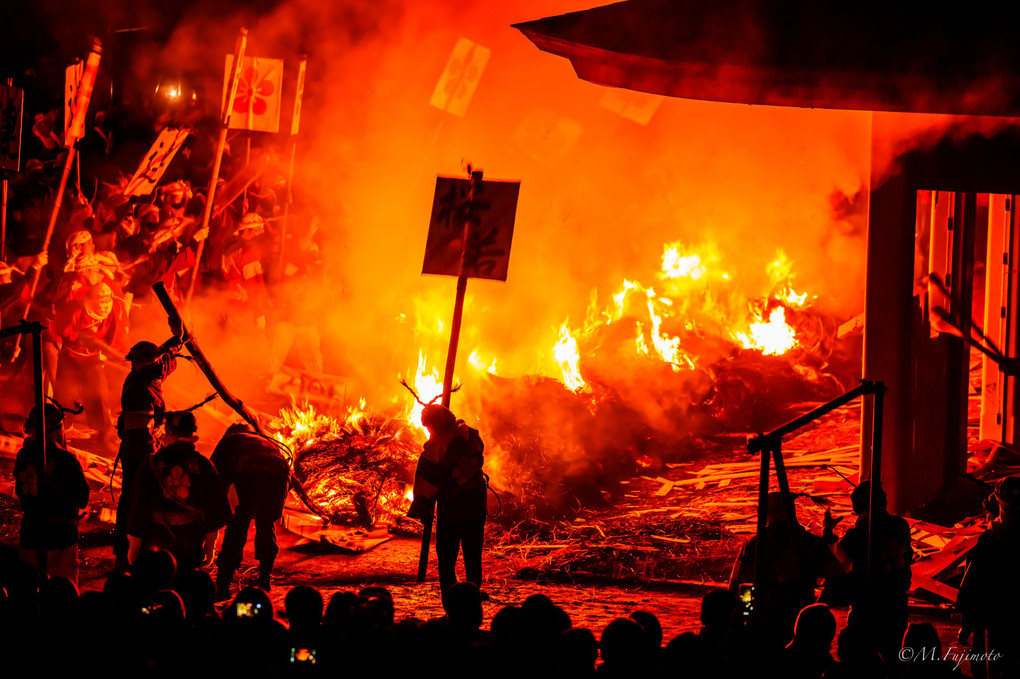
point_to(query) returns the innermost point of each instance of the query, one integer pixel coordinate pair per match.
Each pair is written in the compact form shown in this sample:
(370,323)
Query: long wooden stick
(242,40)
(3,221)
(46,241)
(286,207)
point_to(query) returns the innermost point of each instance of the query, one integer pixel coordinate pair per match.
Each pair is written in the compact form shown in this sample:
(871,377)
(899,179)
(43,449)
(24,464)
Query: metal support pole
(763,514)
(40,424)
(878,405)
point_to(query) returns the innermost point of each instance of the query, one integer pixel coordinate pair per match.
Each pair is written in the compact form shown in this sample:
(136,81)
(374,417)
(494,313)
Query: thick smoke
(600,196)
(751,179)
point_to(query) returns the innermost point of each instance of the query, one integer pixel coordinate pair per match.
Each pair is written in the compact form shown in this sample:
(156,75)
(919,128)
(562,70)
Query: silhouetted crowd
(154,621)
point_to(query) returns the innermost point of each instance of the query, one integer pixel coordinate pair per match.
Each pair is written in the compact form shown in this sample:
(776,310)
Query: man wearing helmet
(179,503)
(52,501)
(242,267)
(450,473)
(82,330)
(142,412)
(85,268)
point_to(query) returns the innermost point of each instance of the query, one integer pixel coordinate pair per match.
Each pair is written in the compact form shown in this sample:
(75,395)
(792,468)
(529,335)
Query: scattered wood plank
(682,541)
(935,587)
(665,488)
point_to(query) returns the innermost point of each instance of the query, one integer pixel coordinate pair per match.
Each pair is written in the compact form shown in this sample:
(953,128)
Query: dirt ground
(393,564)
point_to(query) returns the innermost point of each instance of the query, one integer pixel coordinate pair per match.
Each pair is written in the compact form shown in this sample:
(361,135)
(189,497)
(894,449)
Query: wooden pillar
(997,261)
(889,309)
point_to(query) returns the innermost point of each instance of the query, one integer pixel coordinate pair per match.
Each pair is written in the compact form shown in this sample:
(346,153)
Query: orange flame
(478,363)
(428,385)
(772,337)
(567,357)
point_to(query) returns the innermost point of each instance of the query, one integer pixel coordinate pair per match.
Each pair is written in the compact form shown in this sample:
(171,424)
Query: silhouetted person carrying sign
(52,500)
(450,473)
(989,597)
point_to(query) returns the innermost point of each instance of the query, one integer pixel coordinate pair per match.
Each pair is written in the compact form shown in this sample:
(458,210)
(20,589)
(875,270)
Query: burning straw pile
(355,469)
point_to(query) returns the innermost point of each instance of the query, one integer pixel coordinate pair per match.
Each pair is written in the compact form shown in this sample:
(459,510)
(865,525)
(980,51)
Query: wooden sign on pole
(469,237)
(75,132)
(12,105)
(156,161)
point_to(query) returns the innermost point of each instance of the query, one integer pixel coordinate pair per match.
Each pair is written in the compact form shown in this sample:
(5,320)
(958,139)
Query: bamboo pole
(295,122)
(224,126)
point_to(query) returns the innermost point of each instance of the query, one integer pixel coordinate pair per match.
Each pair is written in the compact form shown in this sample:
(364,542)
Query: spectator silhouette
(792,561)
(922,656)
(623,647)
(153,570)
(808,655)
(464,612)
(878,600)
(989,599)
(198,593)
(576,653)
(857,654)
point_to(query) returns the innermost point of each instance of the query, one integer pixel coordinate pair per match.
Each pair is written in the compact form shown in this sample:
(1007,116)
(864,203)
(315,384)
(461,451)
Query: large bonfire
(653,373)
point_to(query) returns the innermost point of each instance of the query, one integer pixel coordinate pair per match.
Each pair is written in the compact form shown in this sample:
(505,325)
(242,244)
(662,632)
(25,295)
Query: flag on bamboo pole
(72,78)
(491,216)
(636,106)
(296,119)
(258,100)
(12,106)
(173,277)
(84,94)
(460,77)
(237,185)
(155,162)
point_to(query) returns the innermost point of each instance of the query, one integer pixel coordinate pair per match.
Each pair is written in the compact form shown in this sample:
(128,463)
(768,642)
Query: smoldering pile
(554,451)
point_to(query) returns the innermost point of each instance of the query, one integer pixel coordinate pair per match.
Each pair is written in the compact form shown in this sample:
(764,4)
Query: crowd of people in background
(108,249)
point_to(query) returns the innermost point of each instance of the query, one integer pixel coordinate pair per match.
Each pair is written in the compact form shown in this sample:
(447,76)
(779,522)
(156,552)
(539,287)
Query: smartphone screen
(745,596)
(302,655)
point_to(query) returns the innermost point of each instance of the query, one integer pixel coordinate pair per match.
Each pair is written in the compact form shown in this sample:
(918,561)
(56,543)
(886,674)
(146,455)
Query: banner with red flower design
(259,94)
